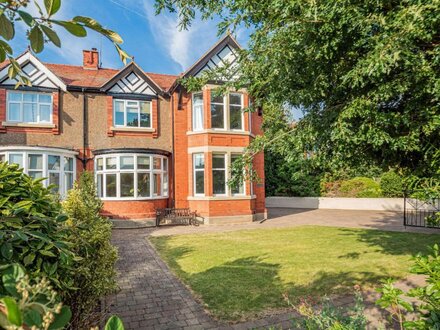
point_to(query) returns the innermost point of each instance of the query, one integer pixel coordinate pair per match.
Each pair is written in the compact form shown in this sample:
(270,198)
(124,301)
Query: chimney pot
(91,59)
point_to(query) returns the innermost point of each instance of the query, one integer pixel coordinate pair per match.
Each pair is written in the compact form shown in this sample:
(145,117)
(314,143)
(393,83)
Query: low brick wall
(372,204)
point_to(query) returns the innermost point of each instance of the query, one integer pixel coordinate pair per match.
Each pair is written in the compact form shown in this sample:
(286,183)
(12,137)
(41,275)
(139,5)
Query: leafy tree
(40,29)
(366,73)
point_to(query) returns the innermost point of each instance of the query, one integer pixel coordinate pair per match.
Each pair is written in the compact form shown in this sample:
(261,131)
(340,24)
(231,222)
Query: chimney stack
(91,59)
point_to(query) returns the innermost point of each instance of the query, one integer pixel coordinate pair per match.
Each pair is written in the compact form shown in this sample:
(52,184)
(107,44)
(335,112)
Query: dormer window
(29,107)
(132,113)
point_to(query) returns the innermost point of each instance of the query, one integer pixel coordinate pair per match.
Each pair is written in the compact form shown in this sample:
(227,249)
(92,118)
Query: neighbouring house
(150,143)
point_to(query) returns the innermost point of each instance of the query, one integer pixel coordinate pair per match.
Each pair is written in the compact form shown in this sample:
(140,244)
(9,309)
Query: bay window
(132,113)
(57,167)
(29,107)
(199,174)
(197,111)
(131,176)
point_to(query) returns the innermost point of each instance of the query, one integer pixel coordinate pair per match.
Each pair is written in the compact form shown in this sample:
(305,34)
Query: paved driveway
(151,297)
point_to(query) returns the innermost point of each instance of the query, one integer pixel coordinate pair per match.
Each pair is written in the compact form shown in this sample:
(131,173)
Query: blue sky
(154,41)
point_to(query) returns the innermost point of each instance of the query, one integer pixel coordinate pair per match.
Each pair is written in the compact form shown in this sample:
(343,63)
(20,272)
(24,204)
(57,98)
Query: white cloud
(183,46)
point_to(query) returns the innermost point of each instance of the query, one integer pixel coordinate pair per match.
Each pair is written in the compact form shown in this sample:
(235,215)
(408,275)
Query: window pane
(235,99)
(35,174)
(30,97)
(29,112)
(14,96)
(35,162)
(132,117)
(217,116)
(157,163)
(2,158)
(99,164)
(16,159)
(53,163)
(14,112)
(110,163)
(45,98)
(236,117)
(127,185)
(143,184)
(165,164)
(143,162)
(68,164)
(199,161)
(100,185)
(198,112)
(157,184)
(145,114)
(54,178)
(219,181)
(45,113)
(216,99)
(218,161)
(110,187)
(200,182)
(165,184)
(127,162)
(69,181)
(119,113)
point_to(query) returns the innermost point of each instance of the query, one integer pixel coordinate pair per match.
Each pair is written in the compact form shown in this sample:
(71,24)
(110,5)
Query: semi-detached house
(150,143)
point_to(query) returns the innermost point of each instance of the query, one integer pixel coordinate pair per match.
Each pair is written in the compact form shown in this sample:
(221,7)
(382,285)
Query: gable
(221,54)
(132,84)
(220,59)
(38,74)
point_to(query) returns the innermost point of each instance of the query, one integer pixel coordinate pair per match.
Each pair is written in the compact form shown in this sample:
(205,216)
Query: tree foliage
(366,73)
(40,29)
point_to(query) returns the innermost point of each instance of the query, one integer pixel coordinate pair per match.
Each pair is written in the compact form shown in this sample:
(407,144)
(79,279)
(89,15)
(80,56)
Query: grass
(241,274)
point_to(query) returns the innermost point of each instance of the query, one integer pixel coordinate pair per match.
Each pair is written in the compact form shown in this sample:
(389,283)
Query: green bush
(427,297)
(391,184)
(360,187)
(90,233)
(33,233)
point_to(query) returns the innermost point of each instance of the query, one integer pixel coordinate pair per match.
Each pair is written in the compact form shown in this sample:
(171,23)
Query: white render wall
(372,204)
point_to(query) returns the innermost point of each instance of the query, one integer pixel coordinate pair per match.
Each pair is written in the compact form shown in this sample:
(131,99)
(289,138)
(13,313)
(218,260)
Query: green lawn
(239,274)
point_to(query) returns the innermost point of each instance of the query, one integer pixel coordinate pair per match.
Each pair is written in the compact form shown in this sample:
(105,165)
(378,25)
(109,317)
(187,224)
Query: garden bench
(181,216)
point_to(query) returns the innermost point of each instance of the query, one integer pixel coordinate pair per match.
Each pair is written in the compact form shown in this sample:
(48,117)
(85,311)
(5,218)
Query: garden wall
(372,204)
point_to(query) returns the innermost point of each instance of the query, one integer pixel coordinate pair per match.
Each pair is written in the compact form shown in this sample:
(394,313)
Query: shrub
(356,187)
(32,231)
(95,274)
(30,303)
(427,309)
(391,184)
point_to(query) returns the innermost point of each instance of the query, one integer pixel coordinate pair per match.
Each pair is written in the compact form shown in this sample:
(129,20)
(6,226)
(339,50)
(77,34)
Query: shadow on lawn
(391,242)
(245,287)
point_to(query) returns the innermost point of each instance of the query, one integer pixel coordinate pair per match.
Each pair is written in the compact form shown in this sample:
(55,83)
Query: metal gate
(421,213)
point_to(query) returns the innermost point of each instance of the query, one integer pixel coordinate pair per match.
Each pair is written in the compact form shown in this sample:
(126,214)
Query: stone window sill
(221,198)
(224,132)
(133,129)
(37,125)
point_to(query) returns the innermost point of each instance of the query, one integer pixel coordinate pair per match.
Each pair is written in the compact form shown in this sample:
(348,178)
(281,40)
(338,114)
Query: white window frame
(195,170)
(219,169)
(227,113)
(138,102)
(202,106)
(22,102)
(25,152)
(164,177)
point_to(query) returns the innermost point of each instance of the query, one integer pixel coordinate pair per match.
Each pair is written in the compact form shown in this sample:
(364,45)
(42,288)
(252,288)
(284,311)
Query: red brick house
(150,143)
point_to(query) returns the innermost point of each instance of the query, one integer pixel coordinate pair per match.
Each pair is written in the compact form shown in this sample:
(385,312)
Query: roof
(75,75)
